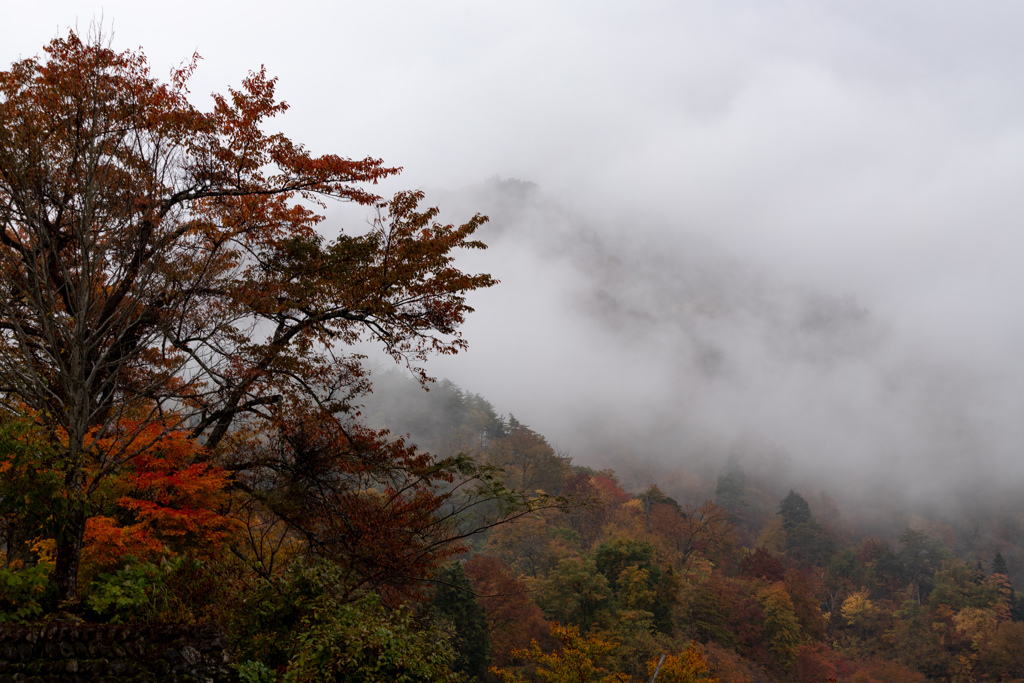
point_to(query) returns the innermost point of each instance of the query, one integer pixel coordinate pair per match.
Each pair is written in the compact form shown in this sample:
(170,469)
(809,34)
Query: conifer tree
(456,607)
(999,565)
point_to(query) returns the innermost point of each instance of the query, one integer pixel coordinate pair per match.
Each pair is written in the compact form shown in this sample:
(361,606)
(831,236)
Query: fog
(623,342)
(787,228)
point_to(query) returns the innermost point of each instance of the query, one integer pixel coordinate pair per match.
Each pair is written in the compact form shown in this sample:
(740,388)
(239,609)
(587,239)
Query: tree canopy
(161,267)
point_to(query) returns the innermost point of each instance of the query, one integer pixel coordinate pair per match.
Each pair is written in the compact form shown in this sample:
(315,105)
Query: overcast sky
(869,151)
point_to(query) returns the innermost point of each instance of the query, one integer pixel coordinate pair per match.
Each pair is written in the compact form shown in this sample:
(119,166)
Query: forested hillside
(193,447)
(733,579)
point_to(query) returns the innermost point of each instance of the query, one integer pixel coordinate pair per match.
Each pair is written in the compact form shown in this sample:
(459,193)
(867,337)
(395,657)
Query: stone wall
(66,651)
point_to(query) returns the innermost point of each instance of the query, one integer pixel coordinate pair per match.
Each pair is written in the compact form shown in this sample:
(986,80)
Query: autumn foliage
(168,499)
(163,271)
(188,435)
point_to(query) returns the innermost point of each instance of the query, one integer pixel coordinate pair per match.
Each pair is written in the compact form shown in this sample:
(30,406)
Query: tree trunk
(69,556)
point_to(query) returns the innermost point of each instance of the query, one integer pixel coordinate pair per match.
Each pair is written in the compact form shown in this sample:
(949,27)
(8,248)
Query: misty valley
(742,568)
(266,417)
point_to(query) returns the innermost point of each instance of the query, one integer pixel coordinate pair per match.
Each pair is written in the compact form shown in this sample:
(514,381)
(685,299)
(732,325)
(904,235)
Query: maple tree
(161,265)
(166,500)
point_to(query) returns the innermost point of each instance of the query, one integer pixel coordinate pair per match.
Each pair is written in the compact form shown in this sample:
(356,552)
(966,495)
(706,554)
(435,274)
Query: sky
(787,223)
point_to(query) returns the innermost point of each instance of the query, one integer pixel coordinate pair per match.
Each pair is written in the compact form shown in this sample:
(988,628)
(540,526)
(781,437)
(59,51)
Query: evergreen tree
(794,511)
(729,490)
(455,608)
(1016,606)
(805,538)
(920,558)
(999,565)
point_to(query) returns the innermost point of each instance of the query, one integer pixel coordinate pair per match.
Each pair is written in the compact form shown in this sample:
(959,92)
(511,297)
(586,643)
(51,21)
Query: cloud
(793,220)
(664,346)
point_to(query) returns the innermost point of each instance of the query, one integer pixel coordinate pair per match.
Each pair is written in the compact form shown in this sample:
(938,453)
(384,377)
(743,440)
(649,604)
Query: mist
(659,346)
(787,230)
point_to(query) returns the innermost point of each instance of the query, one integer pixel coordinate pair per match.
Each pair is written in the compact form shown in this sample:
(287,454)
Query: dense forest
(191,437)
(724,577)
(731,578)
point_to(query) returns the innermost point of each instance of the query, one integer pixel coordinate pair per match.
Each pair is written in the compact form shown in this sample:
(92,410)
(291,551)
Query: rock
(191,655)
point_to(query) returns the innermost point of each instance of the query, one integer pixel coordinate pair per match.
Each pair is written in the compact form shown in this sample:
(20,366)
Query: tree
(689,666)
(513,618)
(163,503)
(576,592)
(386,513)
(579,662)
(919,558)
(455,609)
(1006,650)
(999,565)
(588,519)
(805,538)
(526,545)
(730,489)
(615,555)
(815,662)
(24,518)
(761,564)
(781,628)
(708,529)
(794,511)
(160,260)
(859,611)
(723,610)
(801,589)
(362,642)
(295,624)
(529,459)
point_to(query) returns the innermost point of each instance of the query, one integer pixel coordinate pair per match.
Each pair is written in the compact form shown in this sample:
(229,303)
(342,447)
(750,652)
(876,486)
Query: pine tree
(999,565)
